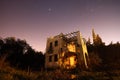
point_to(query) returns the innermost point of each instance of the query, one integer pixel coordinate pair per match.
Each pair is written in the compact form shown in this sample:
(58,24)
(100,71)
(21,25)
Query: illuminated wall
(65,51)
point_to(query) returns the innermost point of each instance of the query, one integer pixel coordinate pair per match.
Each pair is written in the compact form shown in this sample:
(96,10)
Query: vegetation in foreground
(8,73)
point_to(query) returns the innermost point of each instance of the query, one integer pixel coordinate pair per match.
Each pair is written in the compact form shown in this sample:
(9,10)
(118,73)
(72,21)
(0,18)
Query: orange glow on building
(70,49)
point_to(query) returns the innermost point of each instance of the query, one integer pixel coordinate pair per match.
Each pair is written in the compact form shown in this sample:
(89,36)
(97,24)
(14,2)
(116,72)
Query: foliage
(97,40)
(108,54)
(95,61)
(20,55)
(8,73)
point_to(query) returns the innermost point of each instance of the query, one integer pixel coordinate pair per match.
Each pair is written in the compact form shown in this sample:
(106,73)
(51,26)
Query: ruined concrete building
(66,51)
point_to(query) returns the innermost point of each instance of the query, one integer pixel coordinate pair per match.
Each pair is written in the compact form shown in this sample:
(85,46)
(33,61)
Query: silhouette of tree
(13,50)
(1,44)
(88,42)
(95,61)
(33,60)
(110,54)
(20,54)
(96,39)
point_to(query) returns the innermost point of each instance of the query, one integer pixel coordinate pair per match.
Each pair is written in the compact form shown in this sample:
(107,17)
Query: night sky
(35,20)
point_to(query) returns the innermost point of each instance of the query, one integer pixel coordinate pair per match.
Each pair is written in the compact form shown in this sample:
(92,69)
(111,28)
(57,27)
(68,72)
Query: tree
(20,55)
(96,38)
(88,42)
(95,60)
(1,44)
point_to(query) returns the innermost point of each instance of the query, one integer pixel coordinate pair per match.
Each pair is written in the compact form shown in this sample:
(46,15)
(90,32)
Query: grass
(9,73)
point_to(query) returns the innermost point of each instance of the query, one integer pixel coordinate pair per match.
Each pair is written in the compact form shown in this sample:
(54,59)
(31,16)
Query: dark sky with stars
(35,20)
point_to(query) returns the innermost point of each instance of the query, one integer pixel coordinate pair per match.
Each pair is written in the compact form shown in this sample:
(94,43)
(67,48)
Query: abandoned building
(66,51)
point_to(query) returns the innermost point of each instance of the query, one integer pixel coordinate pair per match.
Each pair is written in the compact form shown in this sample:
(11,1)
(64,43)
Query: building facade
(66,51)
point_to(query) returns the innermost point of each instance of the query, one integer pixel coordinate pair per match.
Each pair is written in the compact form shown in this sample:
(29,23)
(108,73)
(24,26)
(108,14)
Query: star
(49,9)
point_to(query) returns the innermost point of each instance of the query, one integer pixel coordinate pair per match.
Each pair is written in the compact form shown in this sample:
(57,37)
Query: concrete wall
(57,47)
